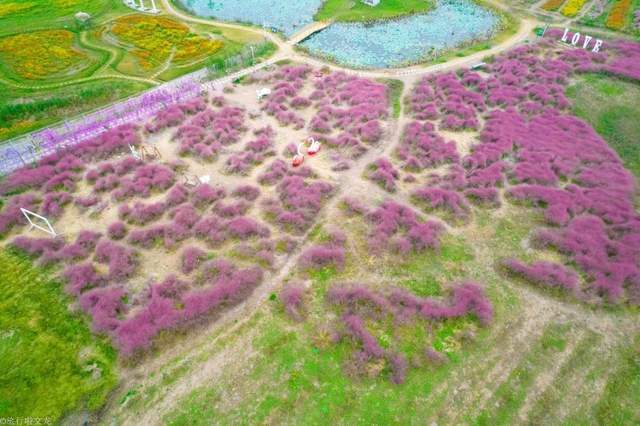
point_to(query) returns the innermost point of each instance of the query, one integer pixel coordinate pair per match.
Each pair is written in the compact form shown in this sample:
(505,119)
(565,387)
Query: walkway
(306,31)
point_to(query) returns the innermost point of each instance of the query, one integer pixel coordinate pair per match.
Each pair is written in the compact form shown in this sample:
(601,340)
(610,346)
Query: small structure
(261,93)
(478,66)
(31,215)
(82,17)
(140,6)
(371,2)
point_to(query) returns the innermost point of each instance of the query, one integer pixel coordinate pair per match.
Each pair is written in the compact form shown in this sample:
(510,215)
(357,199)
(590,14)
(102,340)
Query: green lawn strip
(37,109)
(356,11)
(507,399)
(51,363)
(612,107)
(566,383)
(395,93)
(620,401)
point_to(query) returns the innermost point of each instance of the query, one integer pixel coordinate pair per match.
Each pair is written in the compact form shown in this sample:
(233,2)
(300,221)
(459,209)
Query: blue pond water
(393,43)
(287,16)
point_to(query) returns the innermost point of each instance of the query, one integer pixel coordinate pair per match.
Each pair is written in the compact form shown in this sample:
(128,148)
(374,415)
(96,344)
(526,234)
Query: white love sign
(576,40)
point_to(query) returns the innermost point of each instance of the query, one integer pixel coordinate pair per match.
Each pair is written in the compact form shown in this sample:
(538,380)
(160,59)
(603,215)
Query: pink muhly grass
(226,290)
(321,256)
(356,328)
(122,261)
(248,192)
(117,231)
(545,274)
(81,277)
(205,195)
(384,174)
(105,305)
(191,259)
(292,298)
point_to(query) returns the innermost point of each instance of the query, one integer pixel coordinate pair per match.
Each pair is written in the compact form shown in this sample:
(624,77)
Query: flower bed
(398,42)
(617,17)
(282,16)
(572,7)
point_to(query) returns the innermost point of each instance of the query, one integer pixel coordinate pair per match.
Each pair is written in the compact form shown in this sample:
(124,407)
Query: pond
(286,16)
(450,24)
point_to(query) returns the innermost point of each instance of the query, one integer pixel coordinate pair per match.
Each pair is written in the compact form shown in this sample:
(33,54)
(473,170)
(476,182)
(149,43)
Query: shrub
(117,231)
(384,174)
(321,256)
(191,258)
(292,298)
(105,306)
(546,274)
(122,261)
(54,202)
(248,192)
(82,277)
(205,195)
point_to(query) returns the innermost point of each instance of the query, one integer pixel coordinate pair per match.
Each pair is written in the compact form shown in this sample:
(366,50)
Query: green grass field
(352,11)
(612,107)
(51,363)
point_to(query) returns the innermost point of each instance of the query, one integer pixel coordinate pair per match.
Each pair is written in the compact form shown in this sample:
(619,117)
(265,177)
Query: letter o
(575,39)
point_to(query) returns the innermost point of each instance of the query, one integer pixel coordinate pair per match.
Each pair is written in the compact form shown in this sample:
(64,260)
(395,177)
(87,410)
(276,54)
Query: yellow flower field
(572,7)
(10,8)
(155,38)
(40,54)
(617,16)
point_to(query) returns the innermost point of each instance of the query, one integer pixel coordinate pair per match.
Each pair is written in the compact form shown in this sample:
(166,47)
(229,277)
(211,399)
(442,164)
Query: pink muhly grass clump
(160,313)
(244,227)
(292,298)
(248,192)
(65,181)
(54,202)
(117,231)
(384,174)
(370,132)
(191,259)
(321,256)
(140,213)
(437,198)
(81,277)
(36,247)
(26,178)
(354,207)
(435,357)
(205,195)
(105,305)
(356,328)
(185,215)
(396,220)
(421,148)
(177,195)
(546,274)
(211,229)
(122,261)
(216,268)
(358,297)
(238,208)
(226,290)
(86,202)
(399,367)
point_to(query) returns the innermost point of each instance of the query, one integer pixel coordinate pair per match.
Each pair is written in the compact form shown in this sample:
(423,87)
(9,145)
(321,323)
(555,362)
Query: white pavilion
(140,6)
